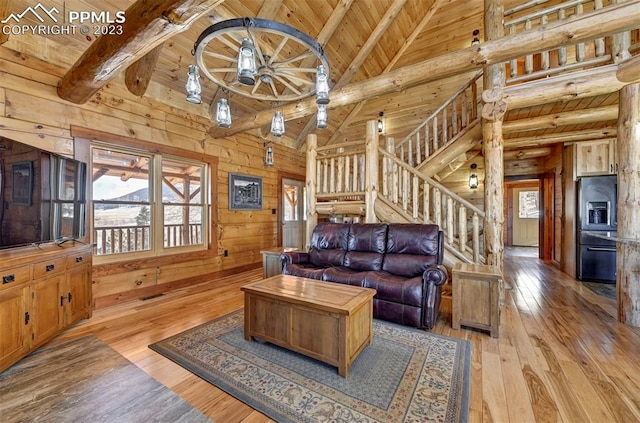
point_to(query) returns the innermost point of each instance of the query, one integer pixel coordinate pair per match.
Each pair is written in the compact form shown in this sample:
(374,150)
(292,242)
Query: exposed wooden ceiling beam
(562,137)
(405,46)
(590,83)
(629,70)
(575,117)
(148,24)
(138,74)
(363,54)
(605,21)
(529,153)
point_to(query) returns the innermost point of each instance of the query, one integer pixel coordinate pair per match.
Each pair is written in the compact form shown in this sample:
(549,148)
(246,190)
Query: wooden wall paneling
(46,137)
(113,284)
(568,188)
(2,101)
(36,110)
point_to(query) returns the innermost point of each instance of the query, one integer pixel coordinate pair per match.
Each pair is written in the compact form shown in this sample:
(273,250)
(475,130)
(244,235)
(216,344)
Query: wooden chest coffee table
(330,322)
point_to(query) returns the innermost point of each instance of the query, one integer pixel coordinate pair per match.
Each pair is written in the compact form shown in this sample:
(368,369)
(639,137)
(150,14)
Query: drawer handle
(50,267)
(79,259)
(26,318)
(8,278)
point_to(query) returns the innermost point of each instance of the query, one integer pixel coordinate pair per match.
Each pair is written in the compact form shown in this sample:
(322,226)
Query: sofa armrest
(294,257)
(436,275)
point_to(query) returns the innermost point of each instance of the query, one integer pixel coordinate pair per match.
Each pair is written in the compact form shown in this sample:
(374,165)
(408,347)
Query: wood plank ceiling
(362,39)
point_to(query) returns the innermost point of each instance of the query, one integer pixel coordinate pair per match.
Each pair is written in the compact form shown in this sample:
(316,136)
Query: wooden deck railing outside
(124,239)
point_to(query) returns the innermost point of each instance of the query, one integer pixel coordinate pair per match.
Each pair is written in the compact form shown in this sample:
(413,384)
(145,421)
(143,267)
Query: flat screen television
(42,196)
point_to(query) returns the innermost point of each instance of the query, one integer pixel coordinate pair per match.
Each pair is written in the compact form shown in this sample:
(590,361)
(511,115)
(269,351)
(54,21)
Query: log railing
(441,127)
(340,172)
(536,13)
(421,199)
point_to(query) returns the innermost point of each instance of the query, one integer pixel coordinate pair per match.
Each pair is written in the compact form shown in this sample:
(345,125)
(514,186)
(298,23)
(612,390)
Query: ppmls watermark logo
(69,21)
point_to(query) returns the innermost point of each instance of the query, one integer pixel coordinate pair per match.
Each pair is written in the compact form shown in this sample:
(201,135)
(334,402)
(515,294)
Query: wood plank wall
(32,113)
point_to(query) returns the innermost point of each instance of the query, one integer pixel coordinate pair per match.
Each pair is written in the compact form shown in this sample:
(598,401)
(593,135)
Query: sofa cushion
(366,246)
(397,289)
(328,244)
(411,248)
(344,275)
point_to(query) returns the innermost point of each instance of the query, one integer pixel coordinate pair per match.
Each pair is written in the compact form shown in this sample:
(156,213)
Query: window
(147,204)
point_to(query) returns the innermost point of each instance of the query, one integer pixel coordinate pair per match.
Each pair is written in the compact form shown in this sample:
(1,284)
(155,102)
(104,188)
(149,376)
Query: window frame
(209,248)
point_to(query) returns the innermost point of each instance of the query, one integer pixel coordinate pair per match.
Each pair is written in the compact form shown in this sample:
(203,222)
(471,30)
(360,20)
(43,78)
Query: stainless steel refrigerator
(597,219)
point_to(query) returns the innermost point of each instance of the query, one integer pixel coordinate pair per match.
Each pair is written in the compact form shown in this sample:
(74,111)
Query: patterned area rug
(407,375)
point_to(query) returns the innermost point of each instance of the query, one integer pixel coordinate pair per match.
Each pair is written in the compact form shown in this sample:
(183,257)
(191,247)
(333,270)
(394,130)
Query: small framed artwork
(22,178)
(245,192)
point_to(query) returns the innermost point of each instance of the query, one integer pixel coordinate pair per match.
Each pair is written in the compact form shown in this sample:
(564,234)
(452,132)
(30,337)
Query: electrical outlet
(226,253)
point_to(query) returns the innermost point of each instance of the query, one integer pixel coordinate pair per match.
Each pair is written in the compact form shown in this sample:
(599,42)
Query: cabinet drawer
(52,266)
(78,259)
(14,276)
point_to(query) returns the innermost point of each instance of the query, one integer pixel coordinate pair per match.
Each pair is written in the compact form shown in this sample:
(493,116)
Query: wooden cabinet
(476,297)
(44,290)
(596,157)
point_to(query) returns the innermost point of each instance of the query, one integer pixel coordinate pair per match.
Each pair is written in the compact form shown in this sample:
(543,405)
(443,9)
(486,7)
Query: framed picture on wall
(22,180)
(245,192)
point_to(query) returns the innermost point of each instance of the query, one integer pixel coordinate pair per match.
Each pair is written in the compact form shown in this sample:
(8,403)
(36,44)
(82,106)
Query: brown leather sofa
(403,262)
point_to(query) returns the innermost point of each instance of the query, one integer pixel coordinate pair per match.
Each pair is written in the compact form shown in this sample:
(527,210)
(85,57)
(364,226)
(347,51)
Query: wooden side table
(271,264)
(476,297)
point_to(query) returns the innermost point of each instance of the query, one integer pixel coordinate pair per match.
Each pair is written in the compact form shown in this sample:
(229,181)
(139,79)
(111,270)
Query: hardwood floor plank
(561,357)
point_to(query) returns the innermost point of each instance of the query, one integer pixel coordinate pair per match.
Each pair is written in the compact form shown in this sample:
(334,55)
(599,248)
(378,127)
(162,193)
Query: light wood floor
(561,355)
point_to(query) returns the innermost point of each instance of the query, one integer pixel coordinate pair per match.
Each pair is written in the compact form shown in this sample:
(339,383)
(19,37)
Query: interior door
(293,226)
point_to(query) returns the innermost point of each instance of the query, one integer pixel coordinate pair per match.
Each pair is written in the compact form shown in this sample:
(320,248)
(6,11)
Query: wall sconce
(277,124)
(322,116)
(475,40)
(193,86)
(223,114)
(473,178)
(380,123)
(268,154)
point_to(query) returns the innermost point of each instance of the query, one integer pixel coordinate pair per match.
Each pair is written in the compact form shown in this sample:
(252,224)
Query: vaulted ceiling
(362,39)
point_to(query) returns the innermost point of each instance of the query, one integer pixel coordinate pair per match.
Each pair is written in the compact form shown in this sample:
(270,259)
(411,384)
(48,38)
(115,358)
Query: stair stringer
(469,138)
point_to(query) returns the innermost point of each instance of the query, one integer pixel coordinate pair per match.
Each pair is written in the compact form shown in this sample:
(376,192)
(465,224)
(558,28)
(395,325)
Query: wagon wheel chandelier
(260,59)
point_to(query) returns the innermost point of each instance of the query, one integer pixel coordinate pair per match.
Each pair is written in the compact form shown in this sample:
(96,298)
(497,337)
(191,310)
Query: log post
(628,253)
(493,110)
(371,171)
(312,214)
(620,42)
(5,9)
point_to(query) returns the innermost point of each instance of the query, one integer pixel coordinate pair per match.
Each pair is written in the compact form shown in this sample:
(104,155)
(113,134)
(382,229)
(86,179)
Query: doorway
(293,213)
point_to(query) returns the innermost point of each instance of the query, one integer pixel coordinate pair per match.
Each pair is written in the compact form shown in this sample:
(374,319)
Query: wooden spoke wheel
(286,58)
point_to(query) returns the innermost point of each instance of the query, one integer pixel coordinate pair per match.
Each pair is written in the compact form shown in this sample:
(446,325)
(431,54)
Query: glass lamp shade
(193,86)
(277,124)
(322,116)
(322,86)
(223,113)
(473,181)
(268,156)
(247,68)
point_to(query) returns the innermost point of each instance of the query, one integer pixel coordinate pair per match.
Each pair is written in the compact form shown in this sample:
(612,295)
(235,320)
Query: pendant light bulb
(277,124)
(247,68)
(322,86)
(193,86)
(322,116)
(223,113)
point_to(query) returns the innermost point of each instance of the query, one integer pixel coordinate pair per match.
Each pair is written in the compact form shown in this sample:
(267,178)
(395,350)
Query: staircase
(398,182)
